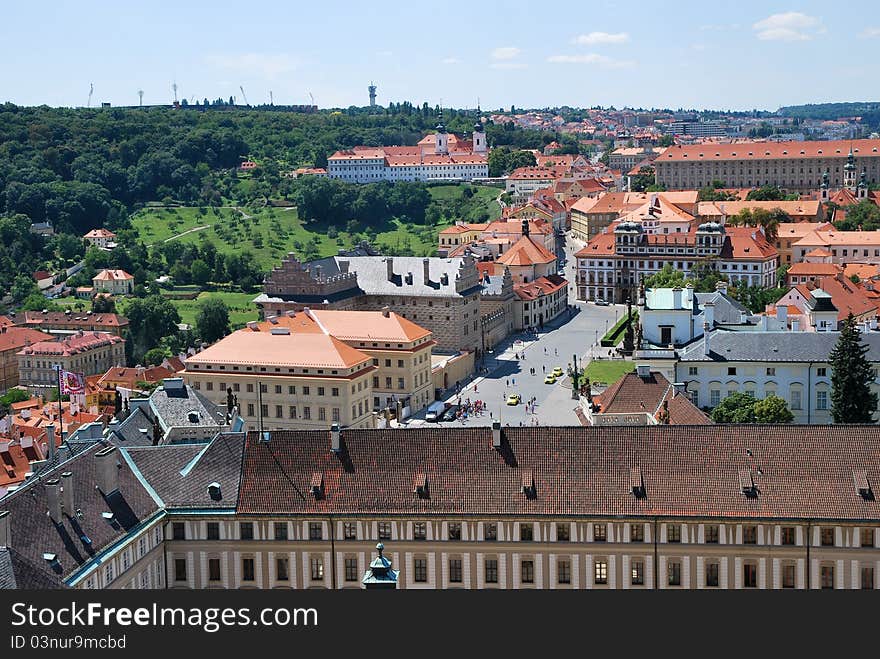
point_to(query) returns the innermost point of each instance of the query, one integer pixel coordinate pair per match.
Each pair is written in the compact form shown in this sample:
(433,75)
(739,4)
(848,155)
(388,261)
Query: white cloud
(450,60)
(264,64)
(590,58)
(790,26)
(594,38)
(870,33)
(505,53)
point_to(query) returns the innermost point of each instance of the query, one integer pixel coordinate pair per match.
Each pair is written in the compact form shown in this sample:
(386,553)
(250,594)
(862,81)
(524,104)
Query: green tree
(641,181)
(852,400)
(772,409)
(212,320)
(200,272)
(864,216)
(38,302)
(766,193)
(154,356)
(150,319)
(103,304)
(738,407)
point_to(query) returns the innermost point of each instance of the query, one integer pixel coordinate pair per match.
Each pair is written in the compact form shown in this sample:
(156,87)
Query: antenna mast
(140,98)
(243,94)
(174,88)
(372,90)
(91,91)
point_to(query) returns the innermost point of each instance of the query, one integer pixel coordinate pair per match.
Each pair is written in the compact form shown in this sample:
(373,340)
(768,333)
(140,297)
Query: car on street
(449,414)
(599,302)
(513,399)
(558,372)
(550,379)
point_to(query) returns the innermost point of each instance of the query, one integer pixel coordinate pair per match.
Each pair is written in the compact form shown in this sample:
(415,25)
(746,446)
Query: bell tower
(441,146)
(849,171)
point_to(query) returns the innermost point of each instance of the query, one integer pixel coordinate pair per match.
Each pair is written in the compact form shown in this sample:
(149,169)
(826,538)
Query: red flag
(72,383)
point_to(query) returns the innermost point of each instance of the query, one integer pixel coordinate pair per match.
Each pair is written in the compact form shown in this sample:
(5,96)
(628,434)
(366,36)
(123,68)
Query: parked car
(435,411)
(550,379)
(599,302)
(558,372)
(513,399)
(449,414)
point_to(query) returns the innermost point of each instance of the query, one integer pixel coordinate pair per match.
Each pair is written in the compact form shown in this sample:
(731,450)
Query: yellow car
(550,379)
(558,372)
(513,399)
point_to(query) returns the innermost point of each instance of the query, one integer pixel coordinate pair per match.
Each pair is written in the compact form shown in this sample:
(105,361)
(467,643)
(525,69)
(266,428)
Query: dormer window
(746,483)
(528,484)
(420,486)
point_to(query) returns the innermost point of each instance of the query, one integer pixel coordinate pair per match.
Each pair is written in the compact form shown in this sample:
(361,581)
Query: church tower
(441,146)
(862,192)
(849,172)
(480,145)
(823,189)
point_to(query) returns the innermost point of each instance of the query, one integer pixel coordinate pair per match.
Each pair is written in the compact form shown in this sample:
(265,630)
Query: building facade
(88,353)
(789,165)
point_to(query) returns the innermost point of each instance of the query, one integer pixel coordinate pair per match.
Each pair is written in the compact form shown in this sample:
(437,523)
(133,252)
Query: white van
(435,409)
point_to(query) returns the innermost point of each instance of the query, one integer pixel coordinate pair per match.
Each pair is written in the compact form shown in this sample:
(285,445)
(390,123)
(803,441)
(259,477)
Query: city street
(555,346)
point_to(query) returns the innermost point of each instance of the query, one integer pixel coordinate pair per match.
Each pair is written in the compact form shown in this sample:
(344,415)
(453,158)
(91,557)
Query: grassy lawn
(483,200)
(241,310)
(155,225)
(609,371)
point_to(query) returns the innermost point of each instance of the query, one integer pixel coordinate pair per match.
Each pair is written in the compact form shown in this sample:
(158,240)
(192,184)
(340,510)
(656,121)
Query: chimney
(67,493)
(108,472)
(525,228)
(782,313)
(676,297)
(5,529)
(643,371)
(389,265)
(721,287)
(343,267)
(706,330)
(54,498)
(426,263)
(386,311)
(50,441)
(679,388)
(335,442)
(709,313)
(743,316)
(496,434)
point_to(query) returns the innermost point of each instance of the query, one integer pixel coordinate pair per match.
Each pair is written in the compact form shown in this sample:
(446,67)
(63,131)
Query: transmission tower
(140,97)
(91,91)
(174,88)
(372,90)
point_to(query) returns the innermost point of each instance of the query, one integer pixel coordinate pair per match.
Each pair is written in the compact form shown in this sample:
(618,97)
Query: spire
(380,575)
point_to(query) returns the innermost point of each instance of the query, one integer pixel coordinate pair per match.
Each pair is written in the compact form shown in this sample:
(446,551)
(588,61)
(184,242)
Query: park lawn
(485,196)
(608,371)
(155,225)
(409,236)
(241,307)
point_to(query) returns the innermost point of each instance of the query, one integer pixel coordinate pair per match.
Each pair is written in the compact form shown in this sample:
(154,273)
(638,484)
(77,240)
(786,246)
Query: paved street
(555,346)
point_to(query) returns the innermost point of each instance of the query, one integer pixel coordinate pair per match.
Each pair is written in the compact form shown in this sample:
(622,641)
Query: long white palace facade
(649,507)
(441,156)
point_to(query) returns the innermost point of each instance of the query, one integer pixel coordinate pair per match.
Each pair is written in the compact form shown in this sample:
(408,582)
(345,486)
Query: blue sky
(642,54)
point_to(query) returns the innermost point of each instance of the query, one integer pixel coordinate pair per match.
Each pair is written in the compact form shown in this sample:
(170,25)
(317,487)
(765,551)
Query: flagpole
(60,411)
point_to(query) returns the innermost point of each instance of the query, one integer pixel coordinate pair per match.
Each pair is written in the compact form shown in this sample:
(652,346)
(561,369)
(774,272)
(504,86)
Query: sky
(714,55)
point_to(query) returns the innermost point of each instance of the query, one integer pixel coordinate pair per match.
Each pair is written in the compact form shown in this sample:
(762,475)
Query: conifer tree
(852,400)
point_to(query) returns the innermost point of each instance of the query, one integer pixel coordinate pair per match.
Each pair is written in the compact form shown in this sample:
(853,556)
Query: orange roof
(16,462)
(86,319)
(76,344)
(769,150)
(536,226)
(366,325)
(839,238)
(540,286)
(129,377)
(793,209)
(801,229)
(862,270)
(15,338)
(818,253)
(113,275)
(538,173)
(526,251)
(100,233)
(814,269)
(848,297)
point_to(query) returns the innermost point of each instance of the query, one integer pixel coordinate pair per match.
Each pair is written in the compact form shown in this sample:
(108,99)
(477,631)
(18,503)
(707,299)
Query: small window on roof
(747,483)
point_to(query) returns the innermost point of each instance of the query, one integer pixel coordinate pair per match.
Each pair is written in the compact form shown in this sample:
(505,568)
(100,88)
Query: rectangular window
(771,371)
(213,531)
(637,533)
(693,370)
(384,530)
(335,414)
(420,530)
(317,568)
(454,531)
(349,531)
(491,570)
(180,569)
(673,573)
(750,535)
(291,390)
(827,536)
(821,400)
(250,409)
(563,532)
(213,569)
(731,370)
(316,532)
(279,411)
(281,569)
(247,569)
(178,531)
(281,530)
(264,410)
(291,411)
(795,400)
(867,574)
(421,570)
(527,569)
(673,533)
(335,391)
(750,575)
(351,569)
(637,573)
(563,569)
(322,414)
(714,397)
(246,530)
(711,575)
(263,388)
(867,537)
(600,532)
(827,577)
(711,534)
(526,532)
(490,531)
(400,383)
(788,576)
(306,391)
(307,413)
(601,572)
(820,372)
(788,535)
(277,388)
(455,570)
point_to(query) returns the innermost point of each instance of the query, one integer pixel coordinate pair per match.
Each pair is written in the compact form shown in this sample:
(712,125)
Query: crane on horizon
(243,95)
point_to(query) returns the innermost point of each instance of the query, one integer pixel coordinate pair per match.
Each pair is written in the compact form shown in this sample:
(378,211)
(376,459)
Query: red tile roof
(770,150)
(15,338)
(84,319)
(72,345)
(800,472)
(526,251)
(632,394)
(540,287)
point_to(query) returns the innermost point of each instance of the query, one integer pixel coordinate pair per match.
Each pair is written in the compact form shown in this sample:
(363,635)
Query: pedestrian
(514,381)
(507,382)
(543,368)
(475,387)
(490,414)
(555,351)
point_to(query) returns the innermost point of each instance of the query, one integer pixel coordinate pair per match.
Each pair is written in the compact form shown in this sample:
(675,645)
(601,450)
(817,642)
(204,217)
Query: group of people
(468,408)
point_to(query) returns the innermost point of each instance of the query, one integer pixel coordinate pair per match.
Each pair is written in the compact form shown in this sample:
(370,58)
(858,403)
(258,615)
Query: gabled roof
(633,394)
(769,150)
(539,287)
(526,251)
